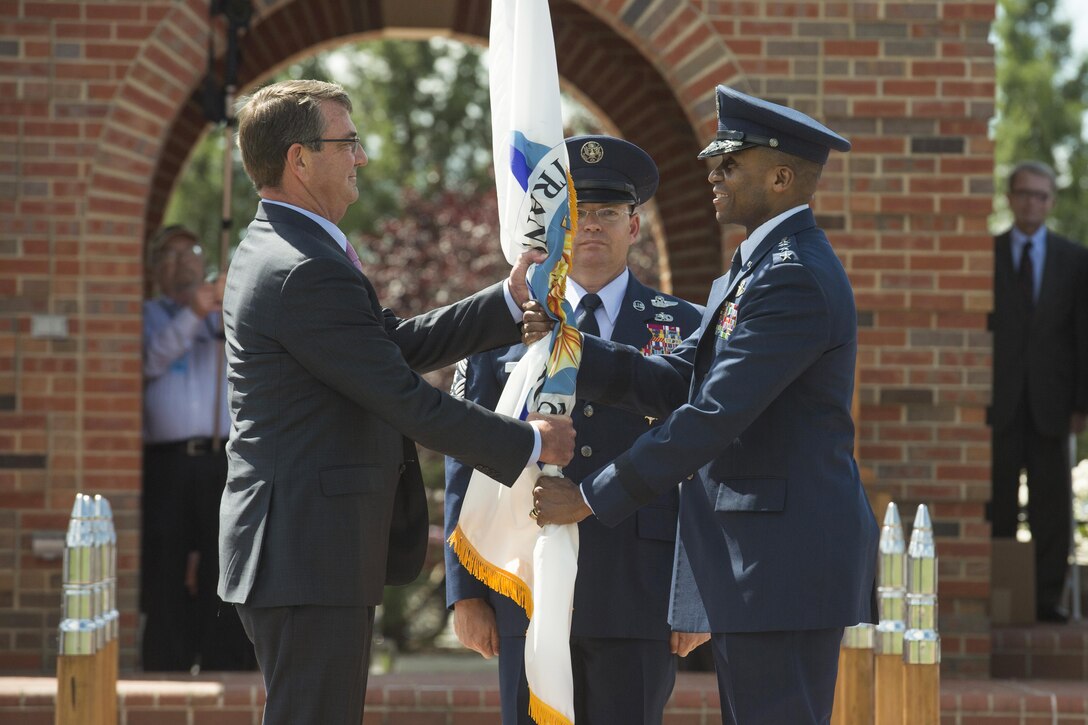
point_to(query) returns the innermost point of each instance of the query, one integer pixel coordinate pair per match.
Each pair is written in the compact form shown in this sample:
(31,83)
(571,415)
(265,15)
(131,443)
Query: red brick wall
(98,112)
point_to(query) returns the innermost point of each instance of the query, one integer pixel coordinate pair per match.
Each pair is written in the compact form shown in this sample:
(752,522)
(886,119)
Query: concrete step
(1040,651)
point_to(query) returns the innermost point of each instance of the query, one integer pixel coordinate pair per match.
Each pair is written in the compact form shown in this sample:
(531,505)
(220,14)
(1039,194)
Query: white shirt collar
(748,246)
(332,229)
(611,294)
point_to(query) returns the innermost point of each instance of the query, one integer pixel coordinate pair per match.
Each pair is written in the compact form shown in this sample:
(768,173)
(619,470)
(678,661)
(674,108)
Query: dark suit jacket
(323,391)
(1049,351)
(623,572)
(776,532)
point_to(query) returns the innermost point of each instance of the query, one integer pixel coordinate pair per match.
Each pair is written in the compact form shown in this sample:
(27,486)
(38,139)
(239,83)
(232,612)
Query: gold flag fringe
(494,577)
(544,714)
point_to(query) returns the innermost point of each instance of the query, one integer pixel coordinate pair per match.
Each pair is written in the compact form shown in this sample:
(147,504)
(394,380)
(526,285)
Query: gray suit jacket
(323,389)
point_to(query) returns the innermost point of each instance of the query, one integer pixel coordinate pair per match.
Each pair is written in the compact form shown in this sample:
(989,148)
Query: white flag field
(496,540)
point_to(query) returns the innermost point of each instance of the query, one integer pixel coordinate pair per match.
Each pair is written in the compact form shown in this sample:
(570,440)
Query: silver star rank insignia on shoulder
(786,251)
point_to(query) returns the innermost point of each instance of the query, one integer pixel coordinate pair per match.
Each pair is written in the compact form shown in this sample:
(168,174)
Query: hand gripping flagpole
(495,539)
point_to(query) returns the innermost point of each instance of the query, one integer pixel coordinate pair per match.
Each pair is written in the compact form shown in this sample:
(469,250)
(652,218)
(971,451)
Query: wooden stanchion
(891,603)
(109,683)
(922,696)
(105,539)
(854,687)
(921,641)
(78,691)
(889,690)
(87,657)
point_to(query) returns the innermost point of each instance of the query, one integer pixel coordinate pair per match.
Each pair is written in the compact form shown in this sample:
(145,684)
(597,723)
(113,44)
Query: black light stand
(219,109)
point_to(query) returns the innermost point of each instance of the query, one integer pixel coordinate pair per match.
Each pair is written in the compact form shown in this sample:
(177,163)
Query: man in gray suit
(324,499)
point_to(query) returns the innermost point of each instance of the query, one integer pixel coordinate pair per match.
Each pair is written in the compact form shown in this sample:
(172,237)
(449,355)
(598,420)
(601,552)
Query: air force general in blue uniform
(777,541)
(623,668)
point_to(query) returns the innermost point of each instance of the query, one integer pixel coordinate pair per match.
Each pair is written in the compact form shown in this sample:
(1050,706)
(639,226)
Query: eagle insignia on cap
(592,152)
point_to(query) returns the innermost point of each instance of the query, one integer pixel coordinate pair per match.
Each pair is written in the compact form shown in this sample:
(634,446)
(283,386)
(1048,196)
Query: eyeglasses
(1033,194)
(605,215)
(356,144)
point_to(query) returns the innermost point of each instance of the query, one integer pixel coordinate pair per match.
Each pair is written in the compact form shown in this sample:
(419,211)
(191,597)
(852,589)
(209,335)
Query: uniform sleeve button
(586,451)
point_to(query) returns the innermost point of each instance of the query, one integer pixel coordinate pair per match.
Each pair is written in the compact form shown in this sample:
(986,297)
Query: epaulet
(786,251)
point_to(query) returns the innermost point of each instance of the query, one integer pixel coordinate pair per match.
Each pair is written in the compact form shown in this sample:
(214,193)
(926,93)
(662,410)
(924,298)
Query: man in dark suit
(1040,388)
(777,543)
(324,499)
(623,667)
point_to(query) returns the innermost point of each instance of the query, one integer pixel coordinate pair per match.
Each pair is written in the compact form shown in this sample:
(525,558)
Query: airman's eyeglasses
(605,215)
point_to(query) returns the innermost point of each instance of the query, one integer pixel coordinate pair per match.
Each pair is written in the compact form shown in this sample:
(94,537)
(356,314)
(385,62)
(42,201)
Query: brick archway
(600,63)
(99,113)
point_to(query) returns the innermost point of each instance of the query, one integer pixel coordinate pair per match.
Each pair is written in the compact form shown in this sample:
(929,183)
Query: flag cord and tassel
(496,578)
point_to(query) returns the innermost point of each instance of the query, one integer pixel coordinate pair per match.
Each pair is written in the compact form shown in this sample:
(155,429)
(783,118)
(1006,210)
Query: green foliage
(1042,98)
(422,109)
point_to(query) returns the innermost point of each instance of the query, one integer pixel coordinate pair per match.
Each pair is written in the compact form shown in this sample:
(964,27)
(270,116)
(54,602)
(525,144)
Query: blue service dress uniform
(777,541)
(619,632)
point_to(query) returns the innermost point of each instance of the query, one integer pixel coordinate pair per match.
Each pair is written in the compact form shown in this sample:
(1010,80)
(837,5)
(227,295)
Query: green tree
(423,112)
(1042,98)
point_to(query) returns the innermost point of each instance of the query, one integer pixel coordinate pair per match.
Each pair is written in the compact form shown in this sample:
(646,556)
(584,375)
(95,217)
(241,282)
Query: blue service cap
(745,121)
(608,169)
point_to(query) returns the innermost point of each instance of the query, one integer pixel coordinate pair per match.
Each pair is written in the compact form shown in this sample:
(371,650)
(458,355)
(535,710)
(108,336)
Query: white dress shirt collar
(332,229)
(748,246)
(611,300)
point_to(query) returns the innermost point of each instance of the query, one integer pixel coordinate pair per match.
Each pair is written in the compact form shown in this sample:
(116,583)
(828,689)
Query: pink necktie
(354,257)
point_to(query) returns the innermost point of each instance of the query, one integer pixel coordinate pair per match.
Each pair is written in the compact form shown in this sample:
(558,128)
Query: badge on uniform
(663,339)
(660,301)
(742,286)
(786,251)
(727,321)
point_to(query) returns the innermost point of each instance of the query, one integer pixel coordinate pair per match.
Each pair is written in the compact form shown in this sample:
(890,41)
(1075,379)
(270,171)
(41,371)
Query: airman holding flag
(623,669)
(776,551)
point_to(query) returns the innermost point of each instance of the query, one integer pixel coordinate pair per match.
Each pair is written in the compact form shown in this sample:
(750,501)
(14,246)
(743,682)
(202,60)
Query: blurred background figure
(1040,384)
(185,426)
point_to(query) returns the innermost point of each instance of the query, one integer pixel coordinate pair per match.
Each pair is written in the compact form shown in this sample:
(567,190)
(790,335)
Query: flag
(495,538)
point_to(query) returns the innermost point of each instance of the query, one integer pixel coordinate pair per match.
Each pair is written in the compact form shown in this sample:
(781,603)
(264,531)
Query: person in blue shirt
(621,659)
(185,425)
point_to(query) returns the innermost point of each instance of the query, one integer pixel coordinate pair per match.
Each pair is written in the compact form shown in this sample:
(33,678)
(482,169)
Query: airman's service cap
(608,169)
(745,121)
